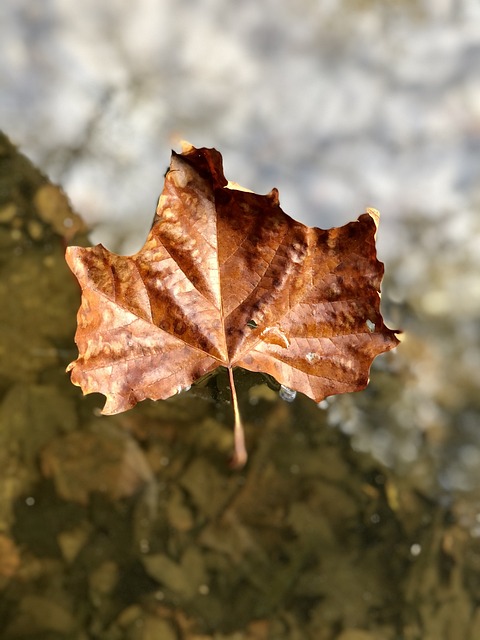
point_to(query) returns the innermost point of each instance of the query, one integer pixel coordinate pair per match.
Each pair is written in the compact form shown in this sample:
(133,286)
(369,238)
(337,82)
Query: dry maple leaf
(227,278)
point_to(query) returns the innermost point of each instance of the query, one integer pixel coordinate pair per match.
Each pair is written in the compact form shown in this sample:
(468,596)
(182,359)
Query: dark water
(356,520)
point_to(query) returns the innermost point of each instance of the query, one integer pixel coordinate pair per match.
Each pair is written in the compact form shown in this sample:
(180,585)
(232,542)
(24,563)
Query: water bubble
(287,394)
(144,545)
(326,402)
(415,549)
(181,389)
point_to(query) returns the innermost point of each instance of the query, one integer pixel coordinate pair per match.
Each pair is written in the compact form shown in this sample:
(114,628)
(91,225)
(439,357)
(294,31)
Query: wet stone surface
(356,520)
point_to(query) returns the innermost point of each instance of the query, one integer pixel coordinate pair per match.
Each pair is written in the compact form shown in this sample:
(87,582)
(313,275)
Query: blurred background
(340,104)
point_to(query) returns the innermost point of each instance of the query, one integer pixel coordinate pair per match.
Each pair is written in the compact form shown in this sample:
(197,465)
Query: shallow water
(358,519)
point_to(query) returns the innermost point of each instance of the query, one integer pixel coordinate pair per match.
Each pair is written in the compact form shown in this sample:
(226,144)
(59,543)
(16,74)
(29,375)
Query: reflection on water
(358,519)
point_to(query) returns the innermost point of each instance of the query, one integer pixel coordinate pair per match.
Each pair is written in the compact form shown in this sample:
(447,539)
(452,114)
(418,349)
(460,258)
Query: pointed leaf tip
(374,214)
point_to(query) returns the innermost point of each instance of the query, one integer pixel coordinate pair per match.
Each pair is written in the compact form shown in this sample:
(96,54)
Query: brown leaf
(9,557)
(108,461)
(227,278)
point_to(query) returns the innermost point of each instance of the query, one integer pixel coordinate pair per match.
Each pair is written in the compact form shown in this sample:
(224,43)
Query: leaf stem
(240,452)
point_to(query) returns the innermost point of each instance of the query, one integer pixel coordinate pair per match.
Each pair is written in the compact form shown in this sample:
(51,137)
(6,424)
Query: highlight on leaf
(226,278)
